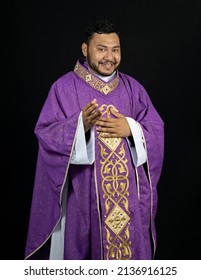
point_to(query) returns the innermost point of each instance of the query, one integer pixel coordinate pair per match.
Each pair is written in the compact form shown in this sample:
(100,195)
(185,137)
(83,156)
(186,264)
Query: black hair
(103,26)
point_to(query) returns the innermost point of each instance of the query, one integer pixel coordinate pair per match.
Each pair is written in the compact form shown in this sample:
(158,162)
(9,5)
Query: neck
(103,78)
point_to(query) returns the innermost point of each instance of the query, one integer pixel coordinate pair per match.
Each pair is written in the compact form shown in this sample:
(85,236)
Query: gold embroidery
(117,220)
(111,143)
(119,247)
(88,78)
(106,89)
(95,82)
(115,184)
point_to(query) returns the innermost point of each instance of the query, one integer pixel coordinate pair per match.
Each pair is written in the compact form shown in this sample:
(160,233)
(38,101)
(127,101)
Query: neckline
(95,81)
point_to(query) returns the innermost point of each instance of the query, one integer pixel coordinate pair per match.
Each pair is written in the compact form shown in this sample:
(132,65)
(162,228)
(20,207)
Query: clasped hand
(111,127)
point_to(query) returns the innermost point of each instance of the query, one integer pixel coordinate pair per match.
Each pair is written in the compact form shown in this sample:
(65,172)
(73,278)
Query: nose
(109,55)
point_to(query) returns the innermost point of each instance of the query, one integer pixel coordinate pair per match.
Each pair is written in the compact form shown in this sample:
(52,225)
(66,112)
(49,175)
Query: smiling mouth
(107,64)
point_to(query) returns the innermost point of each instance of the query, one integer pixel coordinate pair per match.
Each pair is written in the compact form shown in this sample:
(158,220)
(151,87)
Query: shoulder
(131,82)
(63,86)
(65,79)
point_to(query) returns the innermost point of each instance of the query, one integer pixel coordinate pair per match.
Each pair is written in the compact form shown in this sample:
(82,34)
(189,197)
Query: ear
(84,49)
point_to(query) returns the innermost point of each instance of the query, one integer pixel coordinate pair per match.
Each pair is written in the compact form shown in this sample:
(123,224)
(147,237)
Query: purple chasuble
(111,204)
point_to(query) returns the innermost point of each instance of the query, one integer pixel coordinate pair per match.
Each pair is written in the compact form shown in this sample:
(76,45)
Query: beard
(95,68)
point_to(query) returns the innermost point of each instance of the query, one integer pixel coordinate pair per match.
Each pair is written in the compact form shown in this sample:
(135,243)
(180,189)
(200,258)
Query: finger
(91,105)
(104,123)
(116,114)
(92,110)
(95,116)
(108,120)
(109,135)
(106,129)
(88,105)
(89,112)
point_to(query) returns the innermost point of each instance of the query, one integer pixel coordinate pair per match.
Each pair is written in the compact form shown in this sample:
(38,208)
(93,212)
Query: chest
(119,99)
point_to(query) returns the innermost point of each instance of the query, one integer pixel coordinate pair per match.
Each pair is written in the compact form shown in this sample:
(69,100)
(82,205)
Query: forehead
(109,40)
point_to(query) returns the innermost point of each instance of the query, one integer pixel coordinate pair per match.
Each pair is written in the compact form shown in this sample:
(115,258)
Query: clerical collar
(104,78)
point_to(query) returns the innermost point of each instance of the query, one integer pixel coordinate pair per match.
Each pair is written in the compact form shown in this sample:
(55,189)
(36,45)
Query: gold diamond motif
(88,78)
(117,219)
(111,143)
(106,89)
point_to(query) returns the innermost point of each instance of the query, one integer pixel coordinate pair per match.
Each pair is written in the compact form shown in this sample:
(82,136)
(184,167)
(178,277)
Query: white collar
(107,78)
(104,78)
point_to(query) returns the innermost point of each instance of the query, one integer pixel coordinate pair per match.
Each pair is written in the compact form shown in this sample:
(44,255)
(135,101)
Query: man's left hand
(113,127)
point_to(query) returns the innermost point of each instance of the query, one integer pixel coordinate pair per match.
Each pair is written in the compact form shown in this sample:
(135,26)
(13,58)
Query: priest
(100,156)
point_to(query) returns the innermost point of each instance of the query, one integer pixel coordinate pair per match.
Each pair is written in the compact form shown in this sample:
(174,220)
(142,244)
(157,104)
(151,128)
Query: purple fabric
(56,130)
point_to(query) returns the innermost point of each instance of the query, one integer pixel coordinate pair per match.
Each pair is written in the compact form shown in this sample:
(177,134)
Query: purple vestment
(111,204)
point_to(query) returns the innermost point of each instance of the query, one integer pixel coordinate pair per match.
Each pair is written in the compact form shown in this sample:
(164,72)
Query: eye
(116,50)
(101,49)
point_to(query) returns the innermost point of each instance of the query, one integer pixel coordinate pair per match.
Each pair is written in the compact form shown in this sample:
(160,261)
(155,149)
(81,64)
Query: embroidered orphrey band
(115,185)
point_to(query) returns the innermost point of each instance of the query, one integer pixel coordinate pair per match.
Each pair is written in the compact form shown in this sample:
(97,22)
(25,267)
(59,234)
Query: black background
(160,48)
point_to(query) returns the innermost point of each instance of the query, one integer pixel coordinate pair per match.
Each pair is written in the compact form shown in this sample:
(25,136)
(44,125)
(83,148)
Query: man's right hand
(90,115)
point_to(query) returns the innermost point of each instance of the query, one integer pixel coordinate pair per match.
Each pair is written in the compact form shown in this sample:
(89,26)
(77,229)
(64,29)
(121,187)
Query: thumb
(116,113)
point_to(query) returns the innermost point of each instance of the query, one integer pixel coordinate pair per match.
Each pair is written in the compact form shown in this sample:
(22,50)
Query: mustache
(105,61)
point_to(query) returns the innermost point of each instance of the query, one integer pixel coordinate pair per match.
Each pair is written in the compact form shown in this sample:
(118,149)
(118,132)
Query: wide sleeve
(84,149)
(56,132)
(152,127)
(153,130)
(136,146)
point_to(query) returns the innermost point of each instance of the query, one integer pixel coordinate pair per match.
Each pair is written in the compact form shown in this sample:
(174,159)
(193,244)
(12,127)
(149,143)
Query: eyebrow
(99,45)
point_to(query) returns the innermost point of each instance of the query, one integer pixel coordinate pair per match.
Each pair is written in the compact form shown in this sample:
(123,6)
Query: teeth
(107,64)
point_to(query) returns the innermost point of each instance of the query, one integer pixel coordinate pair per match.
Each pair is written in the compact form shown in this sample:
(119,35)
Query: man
(100,157)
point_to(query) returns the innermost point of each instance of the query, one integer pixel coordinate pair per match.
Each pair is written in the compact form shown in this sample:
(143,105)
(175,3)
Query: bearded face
(103,53)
